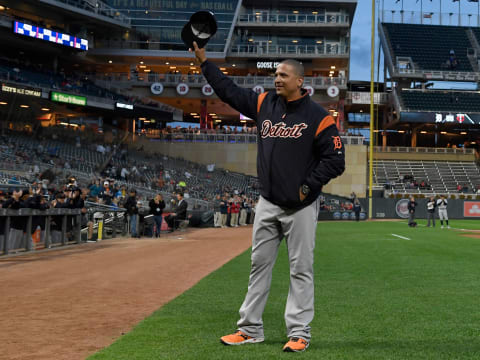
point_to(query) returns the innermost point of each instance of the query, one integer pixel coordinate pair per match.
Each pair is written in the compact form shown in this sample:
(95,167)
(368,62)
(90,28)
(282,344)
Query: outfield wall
(242,158)
(387,208)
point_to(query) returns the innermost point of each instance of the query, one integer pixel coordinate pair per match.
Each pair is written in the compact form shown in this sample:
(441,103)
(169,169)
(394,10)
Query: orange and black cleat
(240,338)
(296,344)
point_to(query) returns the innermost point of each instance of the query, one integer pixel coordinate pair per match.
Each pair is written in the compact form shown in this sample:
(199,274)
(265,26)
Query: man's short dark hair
(297,65)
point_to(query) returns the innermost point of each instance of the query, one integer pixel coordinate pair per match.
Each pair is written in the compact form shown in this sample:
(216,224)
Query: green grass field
(377,296)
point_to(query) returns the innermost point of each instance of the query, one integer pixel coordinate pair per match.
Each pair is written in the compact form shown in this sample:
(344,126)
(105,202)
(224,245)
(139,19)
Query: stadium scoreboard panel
(49,35)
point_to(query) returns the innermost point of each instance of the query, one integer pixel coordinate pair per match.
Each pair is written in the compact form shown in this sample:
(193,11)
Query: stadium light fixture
(141,62)
(223,69)
(463,133)
(269,41)
(295,11)
(295,41)
(167,63)
(251,40)
(401,131)
(472,142)
(225,72)
(45,109)
(234,65)
(319,41)
(333,67)
(315,12)
(3,103)
(193,114)
(257,13)
(423,132)
(218,121)
(110,61)
(142,119)
(142,66)
(361,110)
(212,114)
(2,8)
(147,70)
(24,106)
(443,132)
(191,64)
(243,121)
(173,67)
(193,68)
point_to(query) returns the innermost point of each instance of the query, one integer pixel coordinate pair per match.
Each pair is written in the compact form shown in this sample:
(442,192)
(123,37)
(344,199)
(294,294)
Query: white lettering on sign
(267,64)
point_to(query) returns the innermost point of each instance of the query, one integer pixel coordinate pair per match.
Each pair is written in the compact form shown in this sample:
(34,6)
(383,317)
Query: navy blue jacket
(298,142)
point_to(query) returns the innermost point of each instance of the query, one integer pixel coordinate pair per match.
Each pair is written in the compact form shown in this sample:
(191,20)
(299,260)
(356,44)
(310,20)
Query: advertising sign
(68,98)
(471,209)
(401,208)
(22,90)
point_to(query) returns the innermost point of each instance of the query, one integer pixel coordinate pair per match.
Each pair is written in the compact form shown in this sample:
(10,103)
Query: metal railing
(358,97)
(429,150)
(97,7)
(283,50)
(232,138)
(18,240)
(429,18)
(301,19)
(154,44)
(199,80)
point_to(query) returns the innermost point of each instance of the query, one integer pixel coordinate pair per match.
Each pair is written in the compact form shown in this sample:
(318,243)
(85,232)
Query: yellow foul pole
(370,163)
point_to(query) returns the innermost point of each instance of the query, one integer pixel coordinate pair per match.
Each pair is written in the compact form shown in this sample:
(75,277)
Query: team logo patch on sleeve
(337,142)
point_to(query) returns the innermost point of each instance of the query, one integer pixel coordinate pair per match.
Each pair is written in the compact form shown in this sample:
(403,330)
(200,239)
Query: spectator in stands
(180,213)
(156,209)
(452,61)
(132,212)
(412,205)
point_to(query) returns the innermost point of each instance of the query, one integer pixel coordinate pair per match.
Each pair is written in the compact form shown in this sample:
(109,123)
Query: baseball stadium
(181,176)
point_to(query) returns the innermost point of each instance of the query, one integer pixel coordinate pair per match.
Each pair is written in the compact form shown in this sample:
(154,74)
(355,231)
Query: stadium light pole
(370,165)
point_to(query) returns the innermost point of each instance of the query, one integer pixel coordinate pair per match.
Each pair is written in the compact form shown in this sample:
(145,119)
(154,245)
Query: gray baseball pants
(272,223)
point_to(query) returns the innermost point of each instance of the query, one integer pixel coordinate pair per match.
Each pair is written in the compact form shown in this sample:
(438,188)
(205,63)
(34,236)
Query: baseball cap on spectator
(106,183)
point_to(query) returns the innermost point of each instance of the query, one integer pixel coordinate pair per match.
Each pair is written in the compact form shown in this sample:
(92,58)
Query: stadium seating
(437,100)
(429,45)
(443,176)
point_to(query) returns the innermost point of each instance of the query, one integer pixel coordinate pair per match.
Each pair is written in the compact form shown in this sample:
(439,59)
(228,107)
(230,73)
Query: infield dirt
(70,303)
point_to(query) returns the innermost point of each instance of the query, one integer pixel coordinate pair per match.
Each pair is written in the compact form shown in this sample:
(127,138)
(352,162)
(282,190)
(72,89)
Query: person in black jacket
(132,212)
(412,204)
(178,214)
(431,205)
(299,151)
(156,209)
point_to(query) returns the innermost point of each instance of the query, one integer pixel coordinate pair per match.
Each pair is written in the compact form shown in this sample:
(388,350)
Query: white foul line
(401,237)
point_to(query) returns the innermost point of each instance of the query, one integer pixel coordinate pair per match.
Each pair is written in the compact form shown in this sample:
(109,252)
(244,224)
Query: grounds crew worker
(299,151)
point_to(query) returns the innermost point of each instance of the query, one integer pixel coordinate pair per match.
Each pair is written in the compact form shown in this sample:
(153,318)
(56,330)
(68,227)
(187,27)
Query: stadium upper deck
(420,62)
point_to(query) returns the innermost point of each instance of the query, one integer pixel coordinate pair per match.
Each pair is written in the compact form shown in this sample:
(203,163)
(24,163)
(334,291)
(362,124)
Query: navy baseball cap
(201,27)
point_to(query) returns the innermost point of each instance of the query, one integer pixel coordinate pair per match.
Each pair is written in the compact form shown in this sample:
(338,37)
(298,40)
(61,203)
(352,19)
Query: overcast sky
(360,41)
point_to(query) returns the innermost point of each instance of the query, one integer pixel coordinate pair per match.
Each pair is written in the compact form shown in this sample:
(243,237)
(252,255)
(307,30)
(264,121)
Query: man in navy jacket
(299,151)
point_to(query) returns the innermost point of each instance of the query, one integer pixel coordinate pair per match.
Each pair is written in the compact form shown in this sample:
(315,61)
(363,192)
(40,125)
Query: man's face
(287,82)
